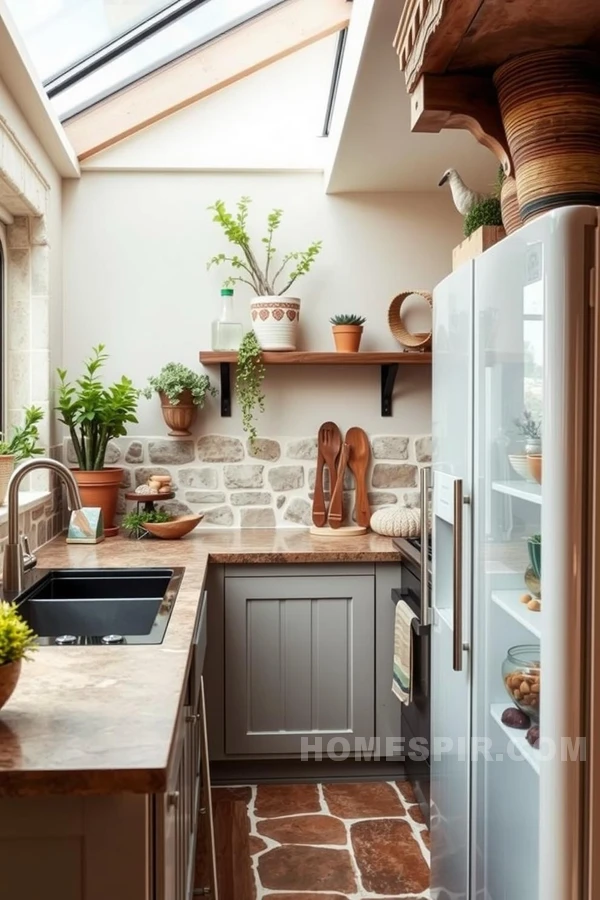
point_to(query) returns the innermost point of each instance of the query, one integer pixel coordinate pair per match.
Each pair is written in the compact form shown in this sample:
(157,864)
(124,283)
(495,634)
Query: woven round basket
(417,341)
(509,203)
(550,106)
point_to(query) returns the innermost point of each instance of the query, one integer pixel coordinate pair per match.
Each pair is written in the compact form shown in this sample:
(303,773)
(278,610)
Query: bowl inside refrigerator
(520,464)
(521,676)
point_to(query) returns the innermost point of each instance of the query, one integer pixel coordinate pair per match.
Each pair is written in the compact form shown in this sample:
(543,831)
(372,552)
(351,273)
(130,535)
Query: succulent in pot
(181,391)
(94,414)
(530,430)
(347,332)
(22,445)
(274,312)
(17,642)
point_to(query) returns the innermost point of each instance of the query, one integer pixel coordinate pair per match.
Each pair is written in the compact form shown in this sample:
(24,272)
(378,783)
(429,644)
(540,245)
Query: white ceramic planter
(275,321)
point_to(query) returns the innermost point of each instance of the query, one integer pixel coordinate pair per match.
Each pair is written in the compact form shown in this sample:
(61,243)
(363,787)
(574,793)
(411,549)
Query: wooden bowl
(397,326)
(172,531)
(534,461)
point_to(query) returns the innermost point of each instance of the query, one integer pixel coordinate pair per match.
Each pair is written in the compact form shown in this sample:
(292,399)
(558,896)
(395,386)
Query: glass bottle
(227,334)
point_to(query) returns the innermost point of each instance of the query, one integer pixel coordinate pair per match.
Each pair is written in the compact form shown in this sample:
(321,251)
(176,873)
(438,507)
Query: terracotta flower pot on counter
(180,416)
(9,676)
(101,488)
(347,337)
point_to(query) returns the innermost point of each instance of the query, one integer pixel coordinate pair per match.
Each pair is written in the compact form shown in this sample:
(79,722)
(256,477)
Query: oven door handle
(399,594)
(425,489)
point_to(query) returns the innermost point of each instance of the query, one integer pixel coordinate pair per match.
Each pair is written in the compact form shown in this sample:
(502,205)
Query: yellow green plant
(17,639)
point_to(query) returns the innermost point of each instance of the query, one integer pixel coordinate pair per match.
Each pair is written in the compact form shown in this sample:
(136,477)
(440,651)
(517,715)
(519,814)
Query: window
(85,50)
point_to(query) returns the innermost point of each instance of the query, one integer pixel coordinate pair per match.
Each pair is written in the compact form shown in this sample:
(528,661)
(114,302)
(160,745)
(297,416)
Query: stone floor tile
(256,844)
(286,799)
(232,793)
(416,814)
(388,857)
(304,830)
(362,800)
(406,789)
(294,868)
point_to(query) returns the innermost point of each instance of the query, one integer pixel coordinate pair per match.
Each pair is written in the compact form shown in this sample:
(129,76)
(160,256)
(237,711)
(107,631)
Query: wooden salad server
(329,442)
(358,462)
(336,507)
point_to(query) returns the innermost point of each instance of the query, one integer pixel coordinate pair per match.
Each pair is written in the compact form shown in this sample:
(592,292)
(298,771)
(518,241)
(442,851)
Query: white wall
(135,252)
(272,119)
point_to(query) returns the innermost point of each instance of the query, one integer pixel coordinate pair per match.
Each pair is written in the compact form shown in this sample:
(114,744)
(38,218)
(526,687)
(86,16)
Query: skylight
(85,50)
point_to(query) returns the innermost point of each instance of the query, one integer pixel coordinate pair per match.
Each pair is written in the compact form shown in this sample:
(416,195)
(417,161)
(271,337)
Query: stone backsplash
(237,485)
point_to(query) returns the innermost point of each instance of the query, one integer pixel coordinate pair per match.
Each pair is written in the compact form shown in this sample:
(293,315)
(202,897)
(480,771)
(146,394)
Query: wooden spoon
(336,507)
(319,510)
(330,442)
(358,462)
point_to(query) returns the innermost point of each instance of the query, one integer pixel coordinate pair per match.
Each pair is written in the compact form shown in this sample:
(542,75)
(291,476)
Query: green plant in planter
(261,279)
(94,413)
(534,547)
(24,441)
(134,522)
(17,639)
(250,376)
(347,319)
(528,427)
(485,212)
(175,378)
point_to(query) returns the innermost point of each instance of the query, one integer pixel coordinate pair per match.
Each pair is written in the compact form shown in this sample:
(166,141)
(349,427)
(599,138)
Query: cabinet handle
(193,717)
(425,488)
(457,580)
(173,799)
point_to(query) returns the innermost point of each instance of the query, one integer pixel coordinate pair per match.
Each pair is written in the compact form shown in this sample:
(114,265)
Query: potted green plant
(347,332)
(249,379)
(525,462)
(22,445)
(94,415)
(181,392)
(274,312)
(17,641)
(133,522)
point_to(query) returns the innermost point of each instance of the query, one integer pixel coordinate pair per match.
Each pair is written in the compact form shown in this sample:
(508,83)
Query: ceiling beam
(254,45)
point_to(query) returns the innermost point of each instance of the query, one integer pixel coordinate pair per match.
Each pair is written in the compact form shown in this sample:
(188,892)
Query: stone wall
(236,485)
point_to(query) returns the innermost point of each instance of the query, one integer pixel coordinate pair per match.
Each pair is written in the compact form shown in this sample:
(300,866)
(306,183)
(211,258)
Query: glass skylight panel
(59,33)
(210,20)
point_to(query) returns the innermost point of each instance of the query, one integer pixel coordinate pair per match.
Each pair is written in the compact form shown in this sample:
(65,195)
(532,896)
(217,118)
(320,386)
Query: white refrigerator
(517,330)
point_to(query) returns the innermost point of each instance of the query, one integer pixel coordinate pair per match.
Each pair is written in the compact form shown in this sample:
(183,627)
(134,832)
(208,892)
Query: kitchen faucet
(17,558)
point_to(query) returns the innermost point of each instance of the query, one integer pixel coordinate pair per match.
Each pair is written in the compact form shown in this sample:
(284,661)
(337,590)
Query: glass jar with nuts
(521,676)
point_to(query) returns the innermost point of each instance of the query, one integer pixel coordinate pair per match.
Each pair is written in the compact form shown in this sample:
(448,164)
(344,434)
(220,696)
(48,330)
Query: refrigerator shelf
(516,737)
(524,490)
(510,602)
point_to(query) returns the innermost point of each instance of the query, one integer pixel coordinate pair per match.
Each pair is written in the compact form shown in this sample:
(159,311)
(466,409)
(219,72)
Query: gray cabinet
(299,660)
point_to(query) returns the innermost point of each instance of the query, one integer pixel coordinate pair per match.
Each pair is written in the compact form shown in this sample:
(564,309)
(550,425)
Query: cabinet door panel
(299,661)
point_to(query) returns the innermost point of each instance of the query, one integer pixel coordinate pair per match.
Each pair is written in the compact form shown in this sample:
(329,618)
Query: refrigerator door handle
(457,576)
(425,488)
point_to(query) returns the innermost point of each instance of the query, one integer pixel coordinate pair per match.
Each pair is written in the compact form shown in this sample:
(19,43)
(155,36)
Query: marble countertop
(101,720)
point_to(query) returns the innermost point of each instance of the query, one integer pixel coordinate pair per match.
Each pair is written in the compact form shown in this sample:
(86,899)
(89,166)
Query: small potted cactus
(347,332)
(17,641)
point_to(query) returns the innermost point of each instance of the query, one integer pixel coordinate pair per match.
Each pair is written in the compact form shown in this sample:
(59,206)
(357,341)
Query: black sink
(96,606)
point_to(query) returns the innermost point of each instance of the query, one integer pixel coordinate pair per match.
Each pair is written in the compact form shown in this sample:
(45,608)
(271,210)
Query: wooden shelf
(387,361)
(302,358)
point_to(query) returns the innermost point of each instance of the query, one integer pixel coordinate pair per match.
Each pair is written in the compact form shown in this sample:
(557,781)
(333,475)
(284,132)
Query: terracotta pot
(9,675)
(180,416)
(101,488)
(534,461)
(347,338)
(7,467)
(275,321)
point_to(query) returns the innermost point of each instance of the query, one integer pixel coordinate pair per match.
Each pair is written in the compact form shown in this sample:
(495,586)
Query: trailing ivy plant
(250,376)
(260,278)
(175,378)
(93,413)
(24,441)
(17,639)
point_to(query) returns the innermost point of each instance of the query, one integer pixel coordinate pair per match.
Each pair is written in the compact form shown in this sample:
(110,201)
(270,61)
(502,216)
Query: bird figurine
(464,198)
